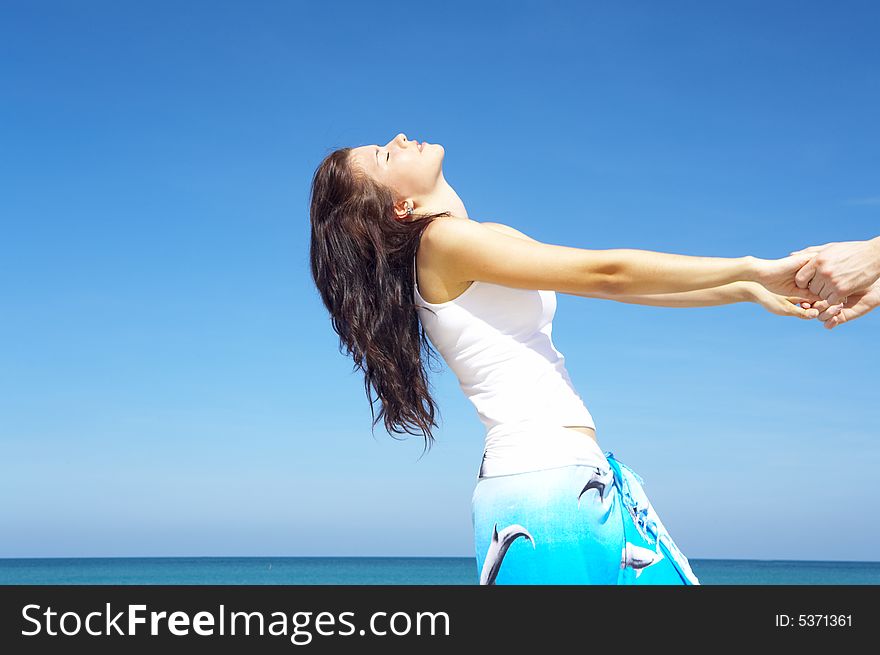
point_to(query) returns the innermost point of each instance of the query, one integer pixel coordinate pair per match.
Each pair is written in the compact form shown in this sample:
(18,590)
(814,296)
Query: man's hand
(840,269)
(857,305)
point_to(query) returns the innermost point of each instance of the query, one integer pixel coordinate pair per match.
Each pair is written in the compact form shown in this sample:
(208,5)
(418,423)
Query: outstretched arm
(613,274)
(726,294)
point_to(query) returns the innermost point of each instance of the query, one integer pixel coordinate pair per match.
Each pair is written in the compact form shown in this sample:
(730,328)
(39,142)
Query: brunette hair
(362,259)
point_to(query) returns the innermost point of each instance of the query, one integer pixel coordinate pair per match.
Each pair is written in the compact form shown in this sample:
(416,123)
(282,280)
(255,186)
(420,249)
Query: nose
(400,138)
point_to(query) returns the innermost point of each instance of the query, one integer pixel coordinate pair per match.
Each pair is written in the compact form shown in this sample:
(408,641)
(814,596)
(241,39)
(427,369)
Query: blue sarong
(575,524)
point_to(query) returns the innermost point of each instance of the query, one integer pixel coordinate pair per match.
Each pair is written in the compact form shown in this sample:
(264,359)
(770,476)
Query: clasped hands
(839,281)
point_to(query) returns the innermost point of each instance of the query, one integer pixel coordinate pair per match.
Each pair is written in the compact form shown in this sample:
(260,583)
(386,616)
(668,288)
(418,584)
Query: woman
(395,256)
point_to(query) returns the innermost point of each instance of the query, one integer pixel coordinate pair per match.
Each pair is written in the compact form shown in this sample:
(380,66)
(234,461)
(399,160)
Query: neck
(443,199)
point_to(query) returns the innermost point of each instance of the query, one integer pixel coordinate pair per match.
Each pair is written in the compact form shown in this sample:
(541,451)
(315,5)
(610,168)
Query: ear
(400,209)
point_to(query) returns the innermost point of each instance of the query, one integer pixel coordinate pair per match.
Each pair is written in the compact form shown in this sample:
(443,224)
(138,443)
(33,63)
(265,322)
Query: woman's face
(411,168)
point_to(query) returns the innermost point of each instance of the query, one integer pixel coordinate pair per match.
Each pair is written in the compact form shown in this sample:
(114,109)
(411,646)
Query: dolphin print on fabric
(638,558)
(501,541)
(599,480)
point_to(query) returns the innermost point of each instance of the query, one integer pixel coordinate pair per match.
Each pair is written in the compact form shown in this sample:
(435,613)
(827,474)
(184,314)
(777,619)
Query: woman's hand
(783,305)
(778,275)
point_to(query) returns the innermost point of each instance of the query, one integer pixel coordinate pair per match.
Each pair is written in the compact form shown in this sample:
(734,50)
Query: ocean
(378,571)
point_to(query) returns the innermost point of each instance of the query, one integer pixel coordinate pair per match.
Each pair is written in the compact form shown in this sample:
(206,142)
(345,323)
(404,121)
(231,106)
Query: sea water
(378,571)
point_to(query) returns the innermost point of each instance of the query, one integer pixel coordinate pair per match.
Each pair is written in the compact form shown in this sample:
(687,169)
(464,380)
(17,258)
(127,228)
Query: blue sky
(170,384)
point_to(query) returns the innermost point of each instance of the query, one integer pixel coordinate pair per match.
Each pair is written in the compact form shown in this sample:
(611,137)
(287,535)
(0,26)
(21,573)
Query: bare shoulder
(459,227)
(506,229)
(493,252)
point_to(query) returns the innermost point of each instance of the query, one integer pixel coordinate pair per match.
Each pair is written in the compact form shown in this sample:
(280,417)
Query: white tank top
(498,342)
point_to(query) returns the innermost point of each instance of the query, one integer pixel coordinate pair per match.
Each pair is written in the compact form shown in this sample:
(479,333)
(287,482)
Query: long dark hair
(362,259)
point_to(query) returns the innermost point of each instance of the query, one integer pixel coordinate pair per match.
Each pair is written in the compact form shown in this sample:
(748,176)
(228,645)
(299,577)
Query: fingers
(823,306)
(805,275)
(796,307)
(810,296)
(850,309)
(815,286)
(829,312)
(841,317)
(847,314)
(834,316)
